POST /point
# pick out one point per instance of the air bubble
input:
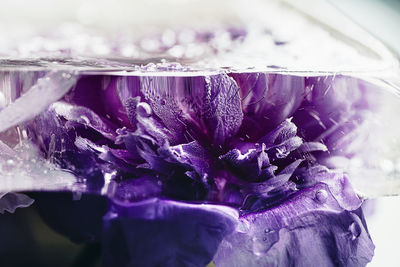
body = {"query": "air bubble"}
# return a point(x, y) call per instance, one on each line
point(321, 196)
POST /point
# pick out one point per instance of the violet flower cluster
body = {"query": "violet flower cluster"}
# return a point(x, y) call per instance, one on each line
point(228, 167)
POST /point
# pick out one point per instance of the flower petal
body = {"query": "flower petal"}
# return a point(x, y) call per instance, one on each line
point(176, 233)
point(204, 107)
point(11, 201)
point(310, 229)
point(267, 100)
point(334, 110)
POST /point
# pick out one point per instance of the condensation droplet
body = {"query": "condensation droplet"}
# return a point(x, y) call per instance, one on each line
point(355, 230)
point(267, 231)
point(321, 196)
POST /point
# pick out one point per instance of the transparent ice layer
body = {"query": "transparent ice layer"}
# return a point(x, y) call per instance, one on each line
point(359, 124)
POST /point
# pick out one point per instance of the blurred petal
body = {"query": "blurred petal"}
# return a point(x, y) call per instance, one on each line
point(158, 232)
point(11, 201)
point(334, 110)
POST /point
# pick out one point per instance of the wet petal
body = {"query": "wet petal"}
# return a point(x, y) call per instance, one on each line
point(309, 229)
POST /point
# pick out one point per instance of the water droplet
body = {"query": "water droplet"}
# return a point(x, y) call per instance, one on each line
point(355, 230)
point(321, 196)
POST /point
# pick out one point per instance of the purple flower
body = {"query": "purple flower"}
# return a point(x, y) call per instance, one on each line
point(230, 167)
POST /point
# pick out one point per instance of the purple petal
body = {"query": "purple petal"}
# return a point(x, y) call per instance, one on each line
point(11, 201)
point(310, 229)
point(206, 108)
point(136, 189)
point(193, 155)
point(176, 233)
point(254, 165)
point(284, 131)
point(84, 117)
point(106, 103)
point(334, 110)
point(267, 100)
point(337, 182)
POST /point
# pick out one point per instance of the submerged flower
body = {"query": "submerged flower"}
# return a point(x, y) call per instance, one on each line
point(230, 167)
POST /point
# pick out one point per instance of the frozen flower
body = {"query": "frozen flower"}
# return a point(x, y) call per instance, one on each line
point(180, 170)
